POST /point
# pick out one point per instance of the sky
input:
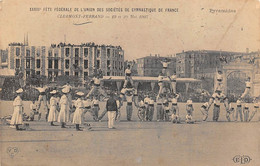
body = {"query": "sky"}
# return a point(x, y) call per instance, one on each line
point(193, 27)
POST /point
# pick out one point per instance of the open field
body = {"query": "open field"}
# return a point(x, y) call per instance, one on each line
point(132, 143)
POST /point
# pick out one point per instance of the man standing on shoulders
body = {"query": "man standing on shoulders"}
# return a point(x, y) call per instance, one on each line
point(111, 107)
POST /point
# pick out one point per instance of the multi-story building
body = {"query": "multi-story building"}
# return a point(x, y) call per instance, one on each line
point(201, 64)
point(152, 65)
point(3, 59)
point(66, 59)
point(204, 64)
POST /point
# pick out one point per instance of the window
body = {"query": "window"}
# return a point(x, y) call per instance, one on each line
point(50, 64)
point(85, 52)
point(98, 53)
point(108, 64)
point(98, 64)
point(17, 51)
point(50, 74)
point(27, 63)
point(76, 74)
point(38, 63)
point(67, 63)
point(108, 73)
point(27, 52)
point(85, 75)
point(27, 74)
point(38, 73)
point(56, 73)
point(85, 64)
point(108, 53)
point(56, 64)
point(50, 53)
point(55, 54)
point(38, 53)
point(77, 63)
point(17, 63)
point(76, 52)
point(67, 51)
point(67, 73)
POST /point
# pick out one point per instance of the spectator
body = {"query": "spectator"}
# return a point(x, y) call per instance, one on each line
point(111, 108)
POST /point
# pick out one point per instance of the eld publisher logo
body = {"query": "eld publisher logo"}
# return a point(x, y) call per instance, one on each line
point(244, 159)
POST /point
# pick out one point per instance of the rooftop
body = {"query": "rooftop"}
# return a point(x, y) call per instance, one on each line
point(211, 51)
point(89, 44)
point(157, 57)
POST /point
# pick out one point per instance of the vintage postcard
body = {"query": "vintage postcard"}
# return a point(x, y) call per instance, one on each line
point(129, 82)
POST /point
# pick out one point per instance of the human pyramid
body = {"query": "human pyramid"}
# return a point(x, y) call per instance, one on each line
point(65, 110)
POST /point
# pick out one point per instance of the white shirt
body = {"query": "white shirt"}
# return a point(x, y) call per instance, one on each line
point(165, 101)
point(174, 100)
point(87, 103)
point(64, 100)
point(219, 76)
point(95, 102)
point(239, 102)
point(141, 103)
point(248, 84)
point(128, 71)
point(118, 103)
point(165, 64)
point(129, 99)
point(53, 101)
point(159, 100)
point(146, 100)
point(79, 103)
point(123, 91)
point(96, 81)
point(160, 78)
point(217, 101)
point(189, 102)
point(206, 104)
point(174, 77)
point(151, 101)
point(42, 89)
point(18, 101)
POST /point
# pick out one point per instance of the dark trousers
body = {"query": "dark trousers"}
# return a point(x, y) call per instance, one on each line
point(129, 110)
point(239, 111)
point(216, 111)
point(159, 109)
point(151, 112)
point(95, 112)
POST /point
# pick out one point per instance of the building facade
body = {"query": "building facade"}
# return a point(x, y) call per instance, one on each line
point(236, 68)
point(152, 66)
point(3, 59)
point(202, 63)
point(66, 59)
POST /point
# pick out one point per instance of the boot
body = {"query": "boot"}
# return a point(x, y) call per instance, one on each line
point(77, 127)
point(46, 117)
point(52, 124)
point(39, 116)
point(16, 127)
point(63, 125)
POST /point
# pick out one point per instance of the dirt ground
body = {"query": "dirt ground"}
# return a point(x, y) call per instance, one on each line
point(131, 143)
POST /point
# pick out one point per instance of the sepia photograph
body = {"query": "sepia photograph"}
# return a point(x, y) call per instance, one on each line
point(133, 82)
